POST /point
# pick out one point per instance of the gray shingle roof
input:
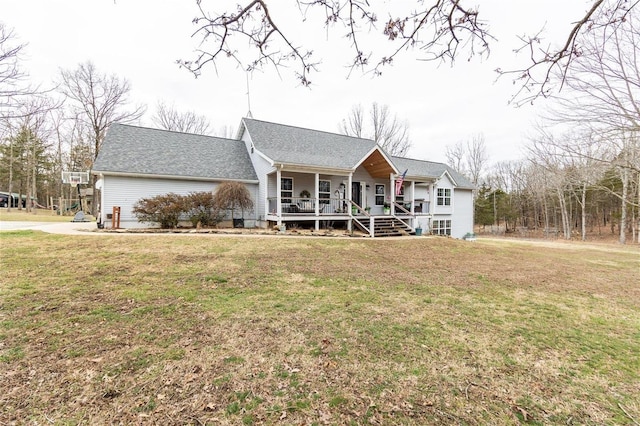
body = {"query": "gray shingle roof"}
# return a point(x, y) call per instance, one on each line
point(140, 150)
point(295, 145)
point(430, 169)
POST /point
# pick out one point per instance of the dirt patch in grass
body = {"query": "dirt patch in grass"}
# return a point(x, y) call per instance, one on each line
point(228, 330)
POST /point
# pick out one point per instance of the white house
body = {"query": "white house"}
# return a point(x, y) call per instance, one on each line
point(295, 175)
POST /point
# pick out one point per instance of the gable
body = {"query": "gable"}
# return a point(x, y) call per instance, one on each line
point(377, 164)
point(431, 170)
point(133, 150)
point(305, 147)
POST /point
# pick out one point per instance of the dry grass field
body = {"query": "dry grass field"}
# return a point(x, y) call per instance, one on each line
point(204, 330)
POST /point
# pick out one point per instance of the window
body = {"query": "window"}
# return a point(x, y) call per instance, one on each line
point(324, 191)
point(379, 195)
point(441, 227)
point(286, 189)
point(444, 197)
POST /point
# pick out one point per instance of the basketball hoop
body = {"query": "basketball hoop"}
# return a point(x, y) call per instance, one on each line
point(75, 178)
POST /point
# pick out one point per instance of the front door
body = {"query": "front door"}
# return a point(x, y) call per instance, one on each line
point(356, 194)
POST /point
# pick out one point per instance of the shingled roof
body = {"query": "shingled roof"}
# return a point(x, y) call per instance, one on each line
point(295, 145)
point(134, 150)
point(430, 169)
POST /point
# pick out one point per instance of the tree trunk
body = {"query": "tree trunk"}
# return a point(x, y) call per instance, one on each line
point(623, 206)
point(566, 224)
point(583, 205)
point(10, 200)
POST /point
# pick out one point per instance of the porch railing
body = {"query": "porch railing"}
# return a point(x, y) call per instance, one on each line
point(401, 209)
point(307, 206)
point(421, 208)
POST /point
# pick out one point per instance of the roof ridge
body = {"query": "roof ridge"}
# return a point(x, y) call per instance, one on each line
point(308, 129)
point(418, 159)
point(172, 131)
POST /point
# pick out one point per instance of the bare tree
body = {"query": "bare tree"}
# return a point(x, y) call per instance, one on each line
point(231, 196)
point(168, 118)
point(11, 76)
point(386, 130)
point(569, 172)
point(226, 131)
point(98, 100)
point(603, 97)
point(477, 157)
point(354, 124)
point(255, 36)
point(469, 158)
point(455, 156)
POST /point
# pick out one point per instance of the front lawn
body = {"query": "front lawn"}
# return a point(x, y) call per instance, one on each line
point(210, 329)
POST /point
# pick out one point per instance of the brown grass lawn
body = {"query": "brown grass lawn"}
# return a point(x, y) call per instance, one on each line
point(266, 330)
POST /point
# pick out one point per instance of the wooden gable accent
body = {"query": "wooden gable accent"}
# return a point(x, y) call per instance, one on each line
point(377, 165)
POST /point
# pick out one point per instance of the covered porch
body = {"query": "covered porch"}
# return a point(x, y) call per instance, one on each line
point(364, 198)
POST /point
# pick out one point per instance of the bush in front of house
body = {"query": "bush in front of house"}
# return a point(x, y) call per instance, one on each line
point(164, 209)
point(232, 196)
point(201, 208)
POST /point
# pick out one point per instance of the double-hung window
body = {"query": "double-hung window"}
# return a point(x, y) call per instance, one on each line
point(443, 197)
point(379, 194)
point(441, 227)
point(324, 191)
point(286, 189)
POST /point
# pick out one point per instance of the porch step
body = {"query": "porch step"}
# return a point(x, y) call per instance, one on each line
point(390, 226)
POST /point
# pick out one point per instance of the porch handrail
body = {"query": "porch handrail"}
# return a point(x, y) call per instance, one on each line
point(361, 211)
point(397, 206)
point(368, 229)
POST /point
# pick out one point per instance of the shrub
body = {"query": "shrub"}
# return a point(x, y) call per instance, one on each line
point(162, 209)
point(233, 195)
point(200, 207)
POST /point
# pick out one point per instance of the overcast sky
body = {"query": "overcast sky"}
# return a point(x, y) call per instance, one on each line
point(141, 40)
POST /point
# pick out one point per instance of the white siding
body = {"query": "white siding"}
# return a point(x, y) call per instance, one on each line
point(447, 210)
point(460, 212)
point(262, 168)
point(124, 192)
point(462, 218)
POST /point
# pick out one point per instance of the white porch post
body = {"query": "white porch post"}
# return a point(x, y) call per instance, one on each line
point(414, 221)
point(317, 202)
point(348, 201)
point(392, 199)
point(432, 198)
point(413, 198)
point(279, 195)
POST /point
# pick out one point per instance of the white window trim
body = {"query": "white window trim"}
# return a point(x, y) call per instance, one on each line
point(444, 197)
point(282, 196)
point(441, 227)
point(376, 195)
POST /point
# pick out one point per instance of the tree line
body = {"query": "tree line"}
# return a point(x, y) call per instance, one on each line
point(582, 171)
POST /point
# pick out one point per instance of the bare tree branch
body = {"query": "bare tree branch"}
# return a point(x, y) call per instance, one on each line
point(168, 118)
point(536, 79)
point(98, 100)
point(386, 130)
point(15, 92)
point(434, 29)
